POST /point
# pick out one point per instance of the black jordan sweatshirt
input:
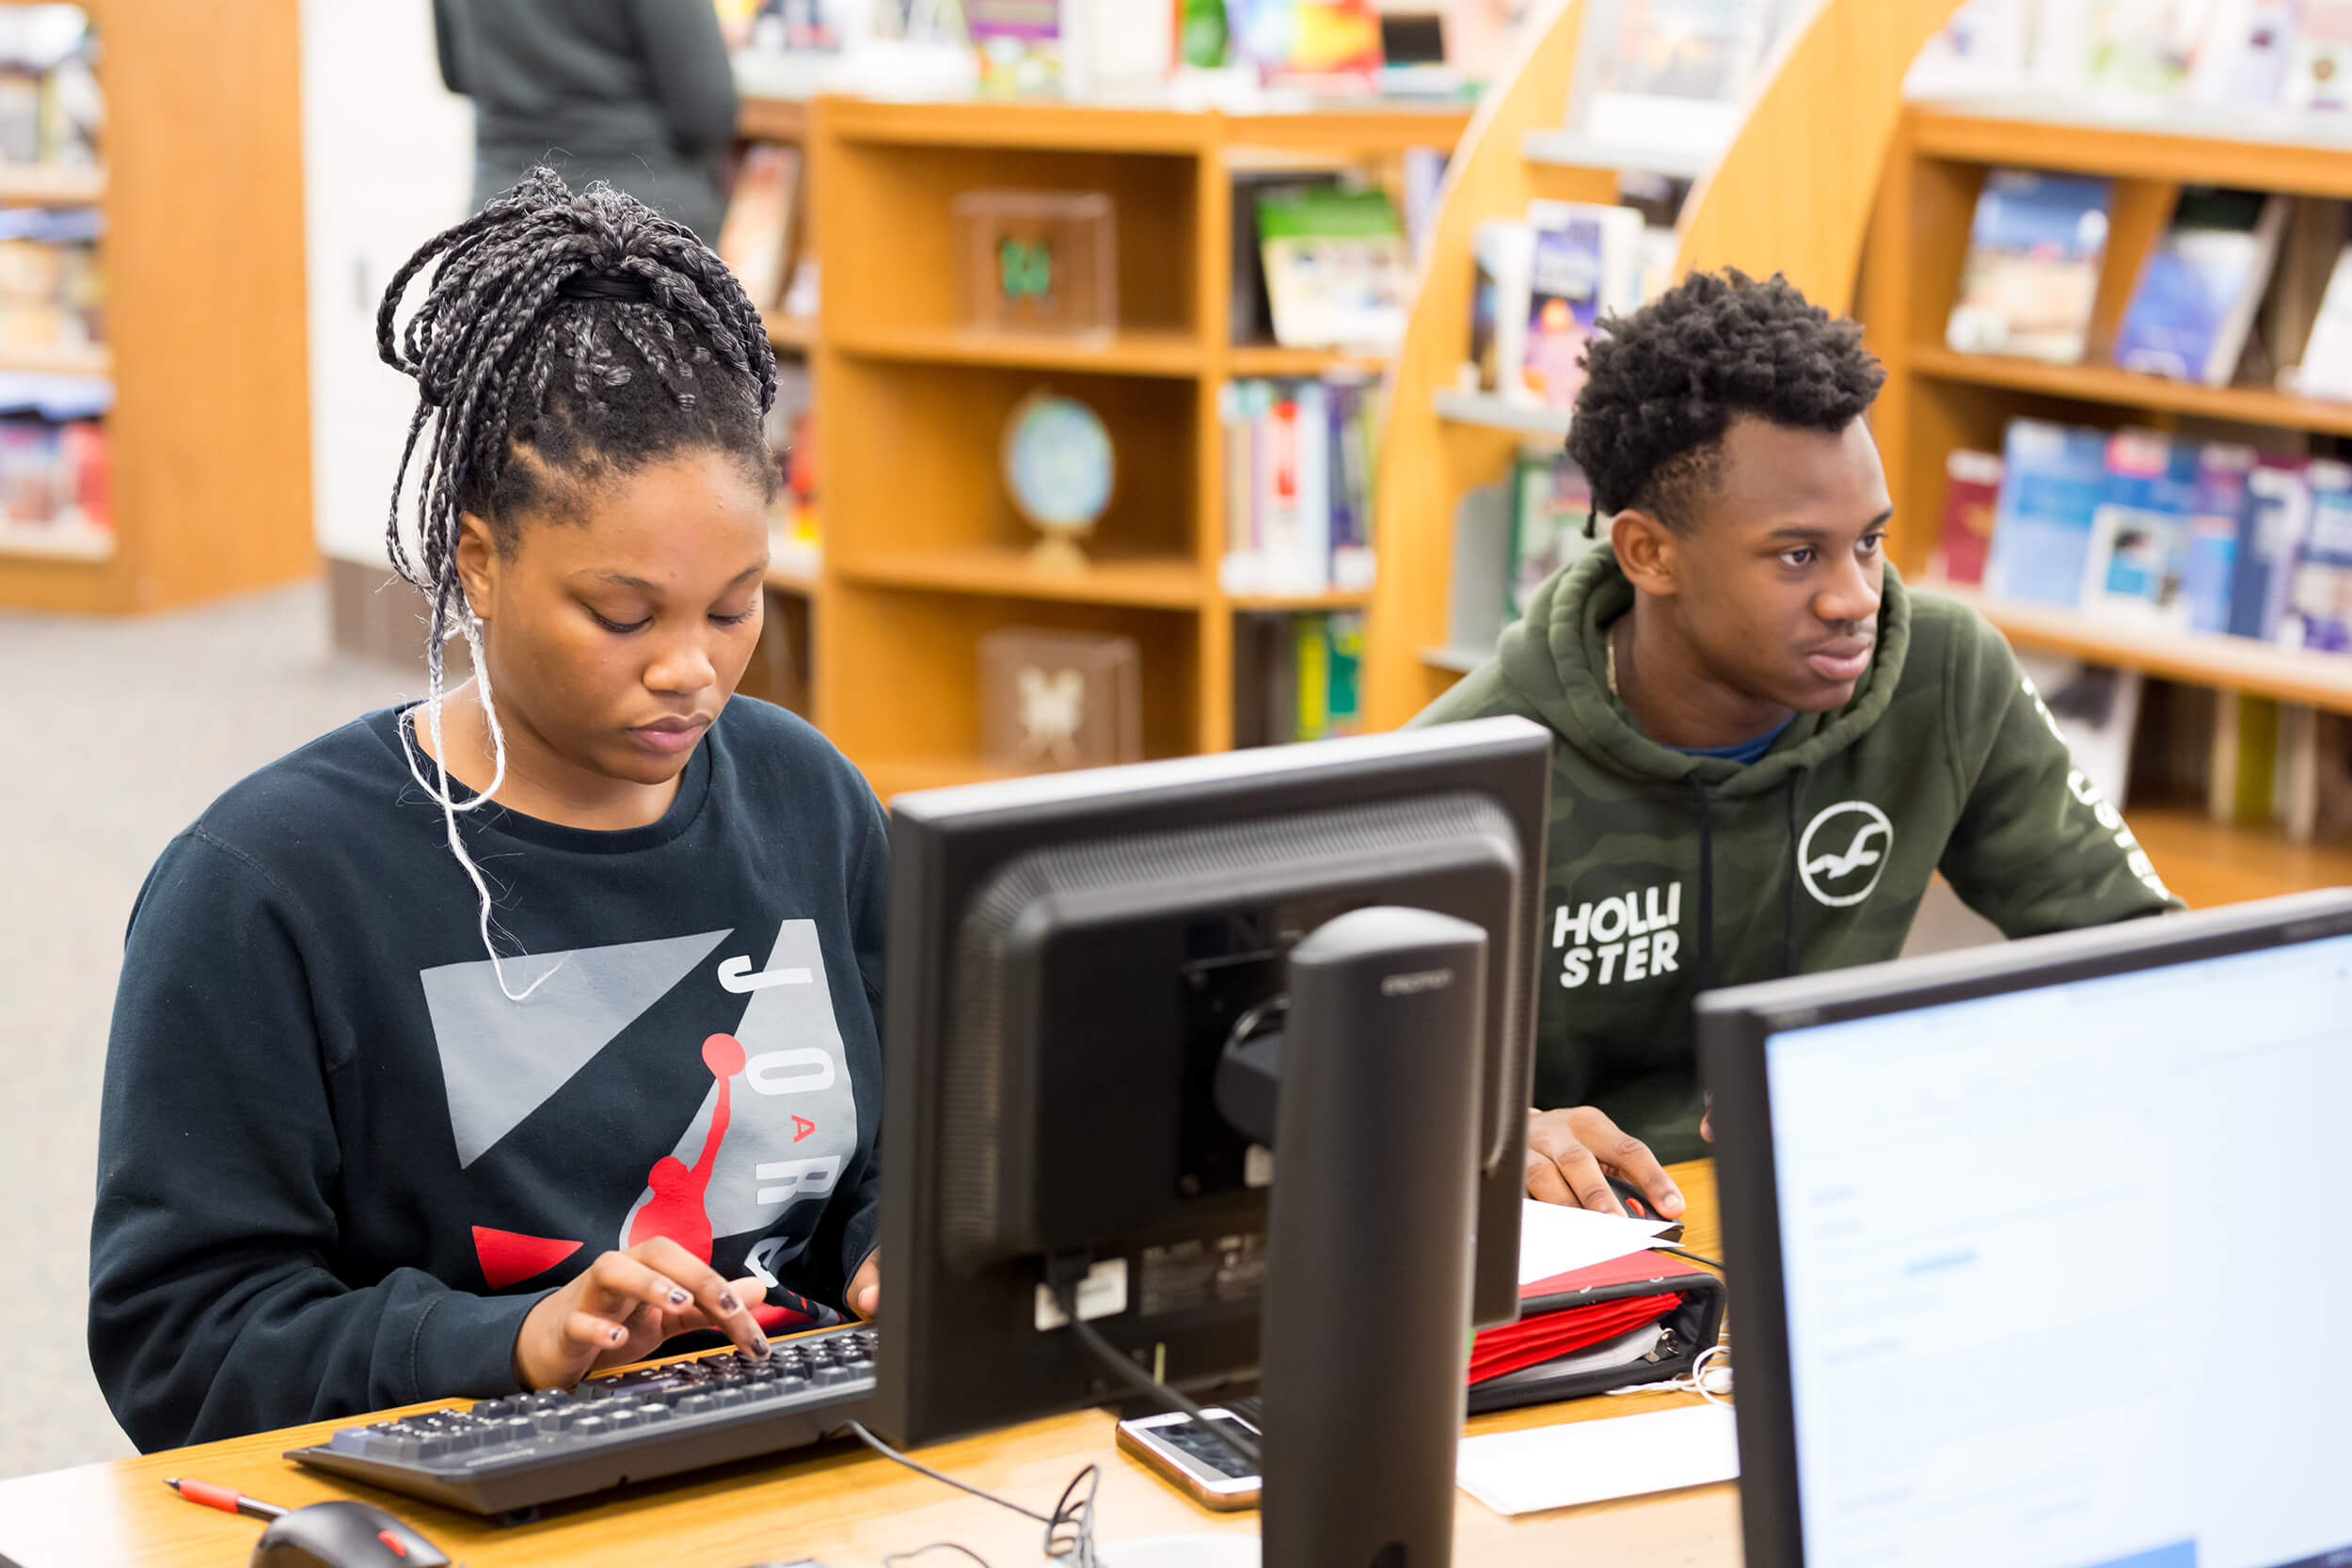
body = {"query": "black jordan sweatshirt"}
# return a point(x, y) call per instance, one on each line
point(337, 1166)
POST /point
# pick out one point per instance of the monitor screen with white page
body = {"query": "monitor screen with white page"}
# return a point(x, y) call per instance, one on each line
point(2042, 1251)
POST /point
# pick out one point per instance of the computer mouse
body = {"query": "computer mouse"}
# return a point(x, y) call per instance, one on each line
point(343, 1534)
point(1638, 1205)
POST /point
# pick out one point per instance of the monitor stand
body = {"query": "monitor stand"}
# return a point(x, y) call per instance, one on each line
point(1364, 1333)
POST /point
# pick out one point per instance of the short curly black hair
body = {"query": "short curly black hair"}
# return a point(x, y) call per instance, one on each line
point(1663, 384)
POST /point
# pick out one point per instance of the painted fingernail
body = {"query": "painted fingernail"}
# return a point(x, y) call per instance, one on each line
point(727, 1302)
point(759, 1345)
point(678, 1297)
point(617, 1336)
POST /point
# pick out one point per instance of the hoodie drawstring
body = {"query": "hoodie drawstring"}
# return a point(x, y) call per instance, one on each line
point(1706, 885)
point(1788, 914)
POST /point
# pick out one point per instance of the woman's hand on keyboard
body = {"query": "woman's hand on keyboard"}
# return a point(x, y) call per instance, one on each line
point(622, 1307)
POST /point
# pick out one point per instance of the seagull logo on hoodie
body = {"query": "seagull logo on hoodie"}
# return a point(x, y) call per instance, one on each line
point(1840, 844)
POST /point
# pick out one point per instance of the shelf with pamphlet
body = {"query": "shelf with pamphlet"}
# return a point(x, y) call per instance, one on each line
point(52, 184)
point(1493, 411)
point(1009, 571)
point(2217, 660)
point(2194, 144)
point(1576, 149)
point(1273, 360)
point(1123, 352)
point(2121, 388)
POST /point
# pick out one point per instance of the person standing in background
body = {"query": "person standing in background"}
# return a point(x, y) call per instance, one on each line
point(637, 92)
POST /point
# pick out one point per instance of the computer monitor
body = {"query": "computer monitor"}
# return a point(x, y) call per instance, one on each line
point(2041, 1249)
point(1072, 957)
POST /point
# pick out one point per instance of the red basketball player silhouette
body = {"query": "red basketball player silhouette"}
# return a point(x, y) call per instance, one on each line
point(675, 1209)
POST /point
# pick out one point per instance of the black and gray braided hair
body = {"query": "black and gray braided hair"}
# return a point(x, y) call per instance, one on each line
point(569, 338)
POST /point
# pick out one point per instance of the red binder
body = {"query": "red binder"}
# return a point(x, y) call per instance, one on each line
point(1584, 1308)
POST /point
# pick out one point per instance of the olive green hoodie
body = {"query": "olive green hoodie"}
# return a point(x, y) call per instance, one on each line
point(1670, 874)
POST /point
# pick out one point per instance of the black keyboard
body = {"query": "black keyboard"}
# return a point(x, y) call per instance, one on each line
point(509, 1455)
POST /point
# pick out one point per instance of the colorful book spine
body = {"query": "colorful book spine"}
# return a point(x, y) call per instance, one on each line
point(2139, 534)
point(1972, 495)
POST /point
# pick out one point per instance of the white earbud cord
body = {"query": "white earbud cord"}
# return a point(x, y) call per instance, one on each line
point(470, 629)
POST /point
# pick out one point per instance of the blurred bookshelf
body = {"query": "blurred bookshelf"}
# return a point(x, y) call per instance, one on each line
point(193, 478)
point(1940, 400)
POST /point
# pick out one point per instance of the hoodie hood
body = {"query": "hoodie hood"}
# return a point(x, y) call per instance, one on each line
point(1555, 660)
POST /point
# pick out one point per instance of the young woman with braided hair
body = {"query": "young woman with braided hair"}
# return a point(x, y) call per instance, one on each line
point(500, 1036)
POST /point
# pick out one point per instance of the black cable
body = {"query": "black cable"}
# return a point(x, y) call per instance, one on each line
point(897, 1558)
point(1069, 1530)
point(1160, 1393)
point(1686, 1252)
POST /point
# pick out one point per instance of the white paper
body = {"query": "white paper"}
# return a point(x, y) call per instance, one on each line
point(1591, 1461)
point(1554, 1239)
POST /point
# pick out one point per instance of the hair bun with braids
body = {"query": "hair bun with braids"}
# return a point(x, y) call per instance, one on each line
point(569, 338)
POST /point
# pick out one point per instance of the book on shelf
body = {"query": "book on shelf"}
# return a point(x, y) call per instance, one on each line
point(1251, 314)
point(1503, 257)
point(53, 295)
point(1298, 677)
point(2319, 589)
point(1984, 50)
point(2140, 531)
point(2144, 48)
point(2052, 481)
point(2031, 274)
point(2326, 367)
point(1972, 492)
point(54, 477)
point(1020, 44)
point(2096, 710)
point(2270, 535)
point(2319, 62)
point(2216, 510)
point(1585, 264)
point(1336, 272)
point(2195, 303)
point(1328, 44)
point(1297, 484)
point(50, 109)
point(756, 239)
point(2246, 55)
point(1552, 503)
point(1676, 72)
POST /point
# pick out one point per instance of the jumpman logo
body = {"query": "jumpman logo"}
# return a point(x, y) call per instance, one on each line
point(676, 1209)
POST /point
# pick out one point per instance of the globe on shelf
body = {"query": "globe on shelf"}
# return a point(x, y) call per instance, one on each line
point(1058, 468)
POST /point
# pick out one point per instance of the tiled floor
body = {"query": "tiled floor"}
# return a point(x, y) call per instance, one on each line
point(116, 733)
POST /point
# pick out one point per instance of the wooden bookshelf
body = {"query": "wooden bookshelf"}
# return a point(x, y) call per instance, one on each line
point(1793, 193)
point(924, 556)
point(1938, 399)
point(209, 447)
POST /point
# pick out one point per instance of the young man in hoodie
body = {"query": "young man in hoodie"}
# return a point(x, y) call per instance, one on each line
point(1765, 744)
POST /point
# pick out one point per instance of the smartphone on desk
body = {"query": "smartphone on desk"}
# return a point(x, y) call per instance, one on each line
point(1203, 1468)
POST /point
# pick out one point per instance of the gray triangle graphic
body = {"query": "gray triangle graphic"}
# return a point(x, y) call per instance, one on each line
point(501, 1059)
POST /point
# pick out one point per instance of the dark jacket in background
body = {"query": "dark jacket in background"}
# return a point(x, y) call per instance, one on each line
point(634, 92)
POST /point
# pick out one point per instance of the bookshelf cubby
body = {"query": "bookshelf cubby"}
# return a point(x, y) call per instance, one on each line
point(924, 554)
point(209, 447)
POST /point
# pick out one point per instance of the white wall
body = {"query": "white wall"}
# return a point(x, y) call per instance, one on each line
point(387, 162)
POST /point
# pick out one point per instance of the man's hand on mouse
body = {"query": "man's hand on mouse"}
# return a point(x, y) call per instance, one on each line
point(622, 1307)
point(1572, 1153)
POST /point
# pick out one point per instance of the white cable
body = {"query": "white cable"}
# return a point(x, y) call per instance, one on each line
point(469, 627)
point(1705, 1381)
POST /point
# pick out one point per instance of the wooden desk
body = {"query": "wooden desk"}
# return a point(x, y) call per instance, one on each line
point(842, 1505)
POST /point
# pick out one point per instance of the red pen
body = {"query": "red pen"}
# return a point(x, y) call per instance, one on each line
point(227, 1498)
